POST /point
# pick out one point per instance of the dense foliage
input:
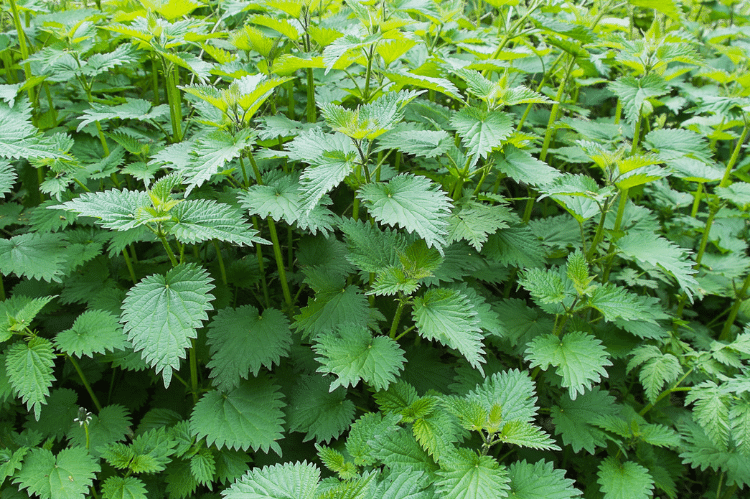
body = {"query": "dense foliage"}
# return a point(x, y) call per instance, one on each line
point(397, 249)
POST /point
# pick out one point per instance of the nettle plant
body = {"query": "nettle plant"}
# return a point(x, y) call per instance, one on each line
point(383, 249)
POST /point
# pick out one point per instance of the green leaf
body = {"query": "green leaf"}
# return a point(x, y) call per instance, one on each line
point(711, 411)
point(539, 481)
point(739, 419)
point(466, 475)
point(116, 487)
point(400, 451)
point(335, 461)
point(333, 307)
point(369, 427)
point(412, 202)
point(7, 177)
point(524, 168)
point(161, 315)
point(634, 92)
point(280, 200)
point(325, 174)
point(512, 390)
point(738, 194)
point(473, 222)
point(615, 302)
point(29, 366)
point(94, 331)
point(117, 210)
point(481, 131)
point(411, 139)
point(132, 109)
point(10, 462)
point(210, 153)
point(658, 369)
point(34, 255)
point(546, 286)
point(515, 246)
point(403, 78)
point(281, 481)
point(448, 316)
point(242, 340)
point(626, 480)
point(676, 143)
point(573, 419)
point(19, 312)
point(579, 358)
point(353, 354)
point(370, 248)
point(65, 476)
point(701, 452)
point(203, 466)
point(648, 250)
point(371, 120)
point(20, 139)
point(248, 416)
point(198, 220)
point(149, 452)
point(322, 413)
point(526, 435)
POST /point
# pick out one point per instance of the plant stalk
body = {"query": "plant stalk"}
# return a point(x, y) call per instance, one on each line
point(85, 383)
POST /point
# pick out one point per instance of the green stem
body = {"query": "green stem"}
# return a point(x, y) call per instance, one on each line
point(172, 77)
point(599, 233)
point(24, 48)
point(618, 223)
point(549, 133)
point(2, 289)
point(155, 81)
point(279, 262)
point(368, 74)
point(129, 264)
point(85, 383)
point(696, 200)
point(165, 243)
point(724, 336)
point(397, 316)
point(510, 34)
point(636, 135)
point(311, 111)
point(261, 266)
point(222, 269)
point(193, 371)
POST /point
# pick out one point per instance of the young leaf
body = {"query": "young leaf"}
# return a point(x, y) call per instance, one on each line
point(199, 220)
point(579, 358)
point(467, 475)
point(94, 331)
point(281, 481)
point(711, 411)
point(412, 202)
point(481, 132)
point(448, 316)
point(249, 416)
point(29, 366)
point(626, 480)
point(410, 139)
point(634, 92)
point(658, 369)
point(353, 354)
point(65, 476)
point(241, 341)
point(540, 481)
point(161, 314)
